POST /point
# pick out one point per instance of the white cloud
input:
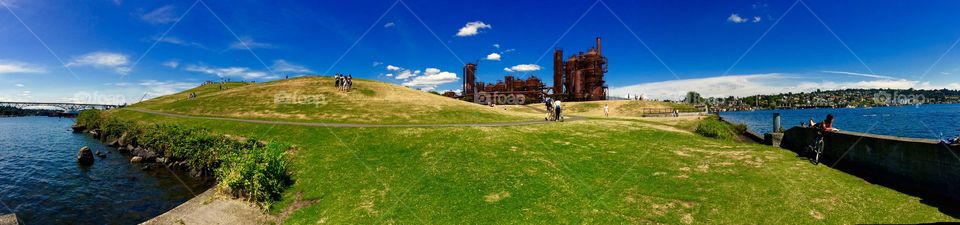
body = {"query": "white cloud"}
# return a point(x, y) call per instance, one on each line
point(496, 46)
point(160, 15)
point(104, 60)
point(493, 57)
point(473, 28)
point(284, 66)
point(7, 3)
point(18, 85)
point(393, 68)
point(171, 64)
point(242, 72)
point(734, 18)
point(522, 68)
point(861, 74)
point(404, 74)
point(178, 41)
point(756, 19)
point(754, 84)
point(249, 43)
point(431, 78)
point(389, 25)
point(376, 63)
point(19, 67)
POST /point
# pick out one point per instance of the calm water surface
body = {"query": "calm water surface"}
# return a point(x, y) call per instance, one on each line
point(42, 183)
point(924, 121)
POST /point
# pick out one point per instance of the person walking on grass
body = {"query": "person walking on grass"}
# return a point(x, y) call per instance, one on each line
point(556, 110)
point(606, 110)
point(549, 103)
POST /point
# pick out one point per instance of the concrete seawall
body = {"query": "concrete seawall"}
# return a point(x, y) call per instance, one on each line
point(922, 166)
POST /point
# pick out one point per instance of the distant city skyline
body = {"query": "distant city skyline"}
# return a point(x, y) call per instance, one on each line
point(114, 51)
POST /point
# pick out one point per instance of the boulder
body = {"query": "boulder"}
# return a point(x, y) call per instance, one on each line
point(113, 143)
point(85, 156)
point(126, 149)
point(95, 133)
point(78, 128)
point(101, 154)
point(147, 154)
point(161, 160)
point(125, 139)
point(136, 159)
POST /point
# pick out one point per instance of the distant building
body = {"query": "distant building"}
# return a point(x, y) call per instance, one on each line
point(579, 78)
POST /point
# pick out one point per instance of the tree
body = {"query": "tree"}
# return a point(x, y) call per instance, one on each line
point(693, 98)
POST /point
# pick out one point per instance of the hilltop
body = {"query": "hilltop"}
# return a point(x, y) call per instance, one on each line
point(315, 99)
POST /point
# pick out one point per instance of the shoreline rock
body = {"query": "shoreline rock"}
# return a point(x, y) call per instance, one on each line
point(85, 156)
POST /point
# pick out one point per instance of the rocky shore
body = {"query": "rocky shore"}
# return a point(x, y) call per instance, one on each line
point(126, 144)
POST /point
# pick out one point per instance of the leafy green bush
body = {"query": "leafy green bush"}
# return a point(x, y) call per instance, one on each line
point(247, 167)
point(713, 127)
point(258, 173)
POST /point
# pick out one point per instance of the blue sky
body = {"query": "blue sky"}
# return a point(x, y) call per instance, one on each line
point(117, 51)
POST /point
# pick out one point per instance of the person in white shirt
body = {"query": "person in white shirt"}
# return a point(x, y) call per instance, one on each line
point(606, 110)
point(556, 110)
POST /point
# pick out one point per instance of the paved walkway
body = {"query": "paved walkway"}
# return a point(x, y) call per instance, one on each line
point(318, 124)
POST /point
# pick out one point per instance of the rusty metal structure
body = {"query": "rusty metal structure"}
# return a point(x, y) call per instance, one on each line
point(579, 78)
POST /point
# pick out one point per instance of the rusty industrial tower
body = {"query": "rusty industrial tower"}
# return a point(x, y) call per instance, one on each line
point(578, 78)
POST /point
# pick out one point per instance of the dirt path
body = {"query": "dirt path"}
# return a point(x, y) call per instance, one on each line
point(318, 124)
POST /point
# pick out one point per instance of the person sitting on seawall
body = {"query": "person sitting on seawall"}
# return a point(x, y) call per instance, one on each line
point(952, 141)
point(827, 124)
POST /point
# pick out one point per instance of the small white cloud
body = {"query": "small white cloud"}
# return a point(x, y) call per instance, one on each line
point(242, 72)
point(404, 74)
point(393, 68)
point(19, 67)
point(496, 46)
point(472, 28)
point(104, 60)
point(389, 25)
point(160, 15)
point(493, 57)
point(18, 85)
point(431, 78)
point(509, 50)
point(861, 74)
point(522, 68)
point(171, 64)
point(389, 74)
point(734, 18)
point(284, 66)
point(756, 19)
point(249, 43)
point(178, 41)
point(376, 63)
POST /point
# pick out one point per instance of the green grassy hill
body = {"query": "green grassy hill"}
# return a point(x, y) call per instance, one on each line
point(594, 171)
point(315, 99)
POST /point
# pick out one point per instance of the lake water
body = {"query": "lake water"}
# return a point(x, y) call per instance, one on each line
point(924, 121)
point(42, 183)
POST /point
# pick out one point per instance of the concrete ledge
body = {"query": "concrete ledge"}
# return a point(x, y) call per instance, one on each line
point(923, 166)
point(9, 219)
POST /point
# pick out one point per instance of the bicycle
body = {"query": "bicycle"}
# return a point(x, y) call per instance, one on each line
point(816, 148)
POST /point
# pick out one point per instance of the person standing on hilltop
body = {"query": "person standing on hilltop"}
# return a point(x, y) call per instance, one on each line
point(349, 82)
point(336, 80)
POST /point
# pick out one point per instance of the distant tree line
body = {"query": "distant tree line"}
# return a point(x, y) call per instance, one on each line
point(14, 111)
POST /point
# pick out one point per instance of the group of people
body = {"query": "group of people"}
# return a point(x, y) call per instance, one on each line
point(553, 110)
point(343, 83)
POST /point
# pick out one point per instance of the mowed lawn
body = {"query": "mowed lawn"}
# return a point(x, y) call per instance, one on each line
point(592, 171)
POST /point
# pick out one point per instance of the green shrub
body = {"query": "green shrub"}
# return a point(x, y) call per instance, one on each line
point(258, 173)
point(713, 127)
point(247, 167)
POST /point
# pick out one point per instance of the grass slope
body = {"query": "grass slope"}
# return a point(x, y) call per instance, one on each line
point(620, 108)
point(314, 99)
point(593, 171)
